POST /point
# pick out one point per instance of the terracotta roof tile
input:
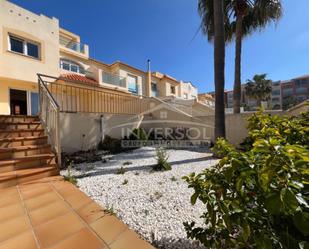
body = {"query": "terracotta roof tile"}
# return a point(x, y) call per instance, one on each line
point(78, 78)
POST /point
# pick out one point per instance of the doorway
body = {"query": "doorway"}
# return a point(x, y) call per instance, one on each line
point(18, 102)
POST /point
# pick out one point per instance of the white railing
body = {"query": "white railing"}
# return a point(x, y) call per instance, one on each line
point(50, 117)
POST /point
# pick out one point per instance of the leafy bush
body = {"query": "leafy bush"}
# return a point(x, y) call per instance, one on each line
point(121, 171)
point(113, 145)
point(138, 134)
point(162, 157)
point(257, 198)
point(70, 177)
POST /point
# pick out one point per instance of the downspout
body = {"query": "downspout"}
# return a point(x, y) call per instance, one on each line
point(148, 81)
point(102, 126)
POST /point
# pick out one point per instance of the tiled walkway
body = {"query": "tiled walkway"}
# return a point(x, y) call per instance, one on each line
point(54, 214)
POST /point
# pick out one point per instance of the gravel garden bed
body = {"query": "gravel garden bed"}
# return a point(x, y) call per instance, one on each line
point(154, 204)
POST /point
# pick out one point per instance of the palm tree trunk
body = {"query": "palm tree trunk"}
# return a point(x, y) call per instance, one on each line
point(219, 59)
point(237, 81)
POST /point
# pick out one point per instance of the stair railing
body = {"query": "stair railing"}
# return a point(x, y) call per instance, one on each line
point(49, 113)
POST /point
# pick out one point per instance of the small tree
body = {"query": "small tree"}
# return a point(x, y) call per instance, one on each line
point(162, 157)
point(259, 88)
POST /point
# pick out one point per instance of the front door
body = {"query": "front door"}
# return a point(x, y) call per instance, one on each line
point(18, 102)
point(34, 103)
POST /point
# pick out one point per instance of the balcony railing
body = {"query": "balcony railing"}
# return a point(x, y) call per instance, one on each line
point(113, 79)
point(72, 97)
point(75, 46)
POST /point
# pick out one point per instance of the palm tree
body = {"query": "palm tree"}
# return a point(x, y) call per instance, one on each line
point(259, 88)
point(241, 18)
point(212, 16)
point(248, 15)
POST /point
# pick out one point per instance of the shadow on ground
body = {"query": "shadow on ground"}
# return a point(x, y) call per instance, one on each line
point(166, 243)
point(110, 168)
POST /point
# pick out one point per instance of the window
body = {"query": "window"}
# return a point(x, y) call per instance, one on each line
point(33, 50)
point(300, 90)
point(173, 91)
point(17, 45)
point(154, 91)
point(24, 47)
point(287, 92)
point(276, 92)
point(132, 84)
point(185, 96)
point(71, 66)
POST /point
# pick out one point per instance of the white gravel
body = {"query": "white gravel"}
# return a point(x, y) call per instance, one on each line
point(154, 204)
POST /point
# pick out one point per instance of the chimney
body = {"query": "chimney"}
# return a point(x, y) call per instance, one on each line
point(148, 81)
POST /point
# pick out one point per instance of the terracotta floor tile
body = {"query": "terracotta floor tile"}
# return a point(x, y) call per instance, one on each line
point(58, 229)
point(7, 200)
point(11, 211)
point(25, 239)
point(48, 212)
point(67, 190)
point(91, 212)
point(8, 192)
point(13, 227)
point(41, 200)
point(130, 239)
point(29, 191)
point(78, 200)
point(84, 239)
point(60, 184)
point(108, 228)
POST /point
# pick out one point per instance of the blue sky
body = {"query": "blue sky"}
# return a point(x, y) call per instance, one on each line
point(164, 31)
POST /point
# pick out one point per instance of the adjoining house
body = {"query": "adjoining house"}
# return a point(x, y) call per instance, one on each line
point(285, 94)
point(206, 99)
point(88, 94)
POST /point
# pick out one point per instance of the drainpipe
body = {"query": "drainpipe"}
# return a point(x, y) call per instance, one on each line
point(148, 81)
point(102, 127)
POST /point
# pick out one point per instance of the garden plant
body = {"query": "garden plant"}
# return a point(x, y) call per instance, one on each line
point(258, 197)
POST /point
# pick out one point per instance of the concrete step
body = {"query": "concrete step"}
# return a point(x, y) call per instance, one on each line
point(21, 133)
point(35, 125)
point(22, 141)
point(21, 151)
point(16, 177)
point(27, 162)
point(18, 118)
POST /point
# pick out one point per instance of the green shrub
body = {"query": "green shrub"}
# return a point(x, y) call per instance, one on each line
point(138, 134)
point(110, 144)
point(70, 177)
point(121, 171)
point(257, 198)
point(125, 182)
point(162, 157)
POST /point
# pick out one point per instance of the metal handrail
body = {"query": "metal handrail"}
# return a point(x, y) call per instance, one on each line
point(46, 99)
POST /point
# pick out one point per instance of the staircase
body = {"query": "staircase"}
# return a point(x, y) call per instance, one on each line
point(25, 154)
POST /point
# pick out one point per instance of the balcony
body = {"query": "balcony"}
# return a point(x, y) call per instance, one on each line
point(72, 45)
point(113, 79)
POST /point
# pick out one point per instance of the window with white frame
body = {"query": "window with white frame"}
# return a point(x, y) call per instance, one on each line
point(24, 46)
point(71, 66)
point(132, 84)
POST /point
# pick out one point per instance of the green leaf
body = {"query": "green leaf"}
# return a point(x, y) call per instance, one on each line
point(301, 221)
point(194, 198)
point(246, 230)
point(273, 203)
point(304, 245)
point(288, 199)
